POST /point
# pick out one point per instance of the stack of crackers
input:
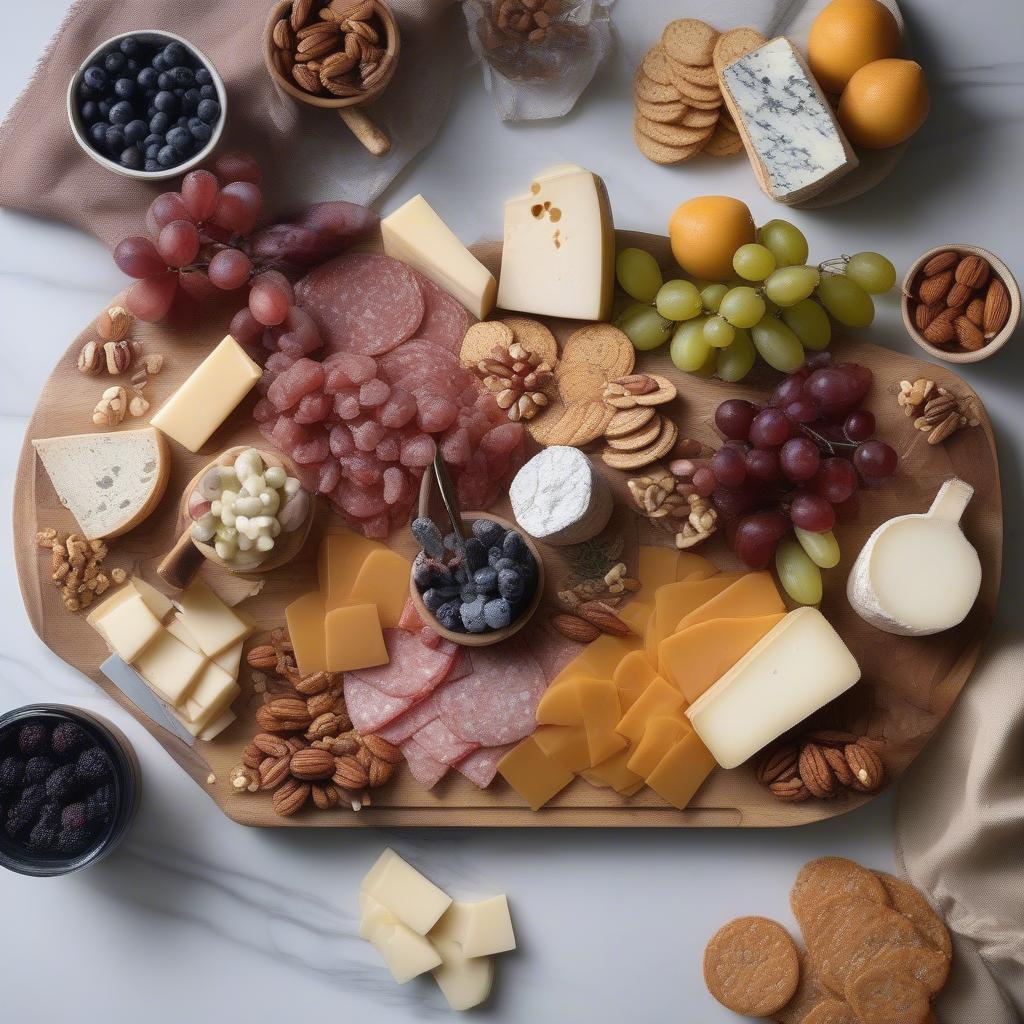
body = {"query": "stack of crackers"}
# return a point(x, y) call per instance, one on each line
point(679, 105)
point(875, 953)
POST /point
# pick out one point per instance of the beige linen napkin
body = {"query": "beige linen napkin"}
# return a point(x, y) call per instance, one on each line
point(960, 837)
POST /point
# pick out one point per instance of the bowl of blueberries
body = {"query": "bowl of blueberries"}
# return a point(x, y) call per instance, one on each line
point(147, 104)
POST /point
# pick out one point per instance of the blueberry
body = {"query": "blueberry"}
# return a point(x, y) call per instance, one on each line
point(472, 615)
point(159, 123)
point(436, 597)
point(132, 158)
point(515, 547)
point(95, 77)
point(208, 111)
point(200, 130)
point(131, 66)
point(486, 580)
point(152, 149)
point(122, 112)
point(166, 102)
point(174, 53)
point(90, 112)
point(154, 139)
point(476, 554)
point(105, 106)
point(165, 81)
point(190, 99)
point(425, 530)
point(158, 63)
point(168, 157)
point(151, 165)
point(182, 76)
point(86, 92)
point(135, 131)
point(467, 592)
point(203, 76)
point(449, 617)
point(182, 121)
point(498, 613)
point(130, 46)
point(98, 133)
point(124, 89)
point(147, 78)
point(506, 563)
point(488, 532)
point(114, 140)
point(494, 556)
point(511, 585)
point(208, 92)
point(180, 139)
point(114, 62)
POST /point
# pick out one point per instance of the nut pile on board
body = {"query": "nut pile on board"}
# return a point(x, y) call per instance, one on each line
point(588, 620)
point(75, 567)
point(637, 434)
point(936, 411)
point(341, 51)
point(674, 506)
point(822, 764)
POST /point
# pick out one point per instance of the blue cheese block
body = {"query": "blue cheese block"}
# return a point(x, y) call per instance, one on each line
point(794, 142)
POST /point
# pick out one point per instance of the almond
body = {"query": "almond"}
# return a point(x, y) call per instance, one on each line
point(924, 314)
point(940, 262)
point(997, 308)
point(959, 295)
point(940, 330)
point(300, 13)
point(933, 289)
point(572, 627)
point(604, 617)
point(975, 311)
point(969, 335)
point(312, 765)
point(972, 271)
point(305, 78)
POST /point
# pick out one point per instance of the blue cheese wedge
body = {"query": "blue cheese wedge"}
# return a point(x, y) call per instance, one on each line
point(792, 137)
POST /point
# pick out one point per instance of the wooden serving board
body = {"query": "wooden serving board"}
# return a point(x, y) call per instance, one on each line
point(908, 685)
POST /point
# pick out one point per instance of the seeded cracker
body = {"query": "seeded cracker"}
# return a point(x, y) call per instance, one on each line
point(809, 993)
point(828, 877)
point(751, 966)
point(882, 995)
point(655, 66)
point(645, 89)
point(913, 906)
point(481, 339)
point(671, 135)
point(735, 43)
point(691, 92)
point(704, 76)
point(724, 142)
point(626, 421)
point(662, 154)
point(663, 113)
point(689, 41)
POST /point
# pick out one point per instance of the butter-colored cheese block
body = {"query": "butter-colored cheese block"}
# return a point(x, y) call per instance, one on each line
point(698, 656)
point(660, 736)
point(796, 668)
point(488, 928)
point(558, 257)
point(452, 923)
point(406, 954)
point(682, 771)
point(376, 870)
point(383, 580)
point(307, 631)
point(566, 745)
point(353, 638)
point(416, 235)
point(209, 395)
point(614, 773)
point(675, 600)
point(159, 604)
point(658, 699)
point(413, 899)
point(636, 615)
point(128, 626)
point(634, 674)
point(752, 594)
point(464, 981)
point(214, 690)
point(599, 702)
point(341, 555)
point(214, 625)
point(532, 774)
point(170, 668)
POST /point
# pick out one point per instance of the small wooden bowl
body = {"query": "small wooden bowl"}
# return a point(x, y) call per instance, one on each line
point(999, 268)
point(374, 138)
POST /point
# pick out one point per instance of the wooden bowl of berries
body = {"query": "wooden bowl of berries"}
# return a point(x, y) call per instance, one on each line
point(338, 57)
point(960, 303)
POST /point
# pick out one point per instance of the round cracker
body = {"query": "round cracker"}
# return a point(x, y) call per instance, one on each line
point(599, 345)
point(913, 906)
point(645, 89)
point(534, 337)
point(639, 438)
point(751, 966)
point(669, 134)
point(655, 66)
point(694, 90)
point(689, 41)
point(724, 142)
point(659, 153)
point(626, 421)
point(809, 993)
point(663, 113)
point(481, 340)
point(696, 104)
point(694, 118)
point(928, 966)
point(597, 416)
point(881, 995)
point(735, 43)
point(548, 428)
point(826, 878)
point(831, 1011)
point(704, 76)
point(645, 456)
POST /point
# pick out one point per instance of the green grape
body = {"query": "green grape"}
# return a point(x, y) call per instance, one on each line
point(799, 576)
point(736, 361)
point(872, 271)
point(678, 300)
point(846, 301)
point(712, 296)
point(753, 262)
point(689, 350)
point(821, 548)
point(742, 306)
point(786, 242)
point(638, 273)
point(644, 328)
point(718, 333)
point(790, 285)
point(707, 368)
point(810, 323)
point(777, 345)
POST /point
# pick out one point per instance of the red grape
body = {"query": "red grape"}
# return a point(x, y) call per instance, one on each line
point(875, 460)
point(763, 464)
point(298, 335)
point(704, 482)
point(282, 282)
point(150, 298)
point(237, 166)
point(178, 244)
point(799, 459)
point(238, 207)
point(729, 467)
point(230, 268)
point(810, 512)
point(733, 418)
point(802, 411)
point(816, 360)
point(835, 481)
point(245, 328)
point(836, 390)
point(199, 193)
point(859, 425)
point(770, 429)
point(166, 207)
point(137, 257)
point(790, 390)
point(268, 301)
point(196, 284)
point(757, 536)
point(184, 311)
point(733, 502)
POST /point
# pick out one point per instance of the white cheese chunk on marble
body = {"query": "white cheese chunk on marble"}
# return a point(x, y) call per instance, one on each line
point(792, 136)
point(465, 981)
point(412, 898)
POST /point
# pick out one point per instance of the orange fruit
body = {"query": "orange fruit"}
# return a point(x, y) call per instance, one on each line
point(884, 103)
point(706, 231)
point(847, 35)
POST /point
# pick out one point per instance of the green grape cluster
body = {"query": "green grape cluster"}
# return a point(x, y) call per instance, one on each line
point(778, 309)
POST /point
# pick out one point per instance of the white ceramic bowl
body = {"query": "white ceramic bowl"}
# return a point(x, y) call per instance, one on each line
point(79, 130)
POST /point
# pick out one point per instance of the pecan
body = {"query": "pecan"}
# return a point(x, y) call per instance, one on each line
point(346, 743)
point(814, 771)
point(325, 795)
point(324, 726)
point(262, 657)
point(381, 749)
point(792, 791)
point(838, 763)
point(349, 773)
point(829, 737)
point(273, 771)
point(252, 756)
point(311, 764)
point(289, 709)
point(315, 682)
point(778, 765)
point(379, 772)
point(271, 746)
point(291, 797)
point(867, 767)
point(268, 722)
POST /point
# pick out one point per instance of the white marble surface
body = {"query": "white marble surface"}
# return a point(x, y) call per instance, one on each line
point(199, 919)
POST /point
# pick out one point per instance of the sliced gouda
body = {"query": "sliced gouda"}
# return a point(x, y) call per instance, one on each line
point(532, 774)
point(634, 674)
point(353, 638)
point(599, 702)
point(383, 580)
point(307, 631)
point(674, 601)
point(214, 690)
point(565, 744)
point(659, 698)
point(752, 594)
point(682, 771)
point(340, 558)
point(660, 736)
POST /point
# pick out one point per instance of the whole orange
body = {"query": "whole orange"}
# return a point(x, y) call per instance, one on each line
point(847, 35)
point(884, 103)
point(706, 231)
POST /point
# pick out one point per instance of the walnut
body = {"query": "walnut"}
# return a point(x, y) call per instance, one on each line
point(518, 380)
point(112, 407)
point(673, 506)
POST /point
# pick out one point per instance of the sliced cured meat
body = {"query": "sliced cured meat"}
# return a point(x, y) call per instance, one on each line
point(427, 771)
point(445, 319)
point(463, 666)
point(423, 368)
point(362, 302)
point(407, 724)
point(481, 766)
point(442, 744)
point(369, 708)
point(410, 619)
point(413, 670)
point(552, 650)
point(497, 702)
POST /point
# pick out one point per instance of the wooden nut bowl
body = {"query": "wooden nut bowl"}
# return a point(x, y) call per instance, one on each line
point(183, 561)
point(999, 268)
point(371, 135)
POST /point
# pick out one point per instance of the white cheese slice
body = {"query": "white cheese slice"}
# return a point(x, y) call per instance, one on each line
point(209, 620)
point(109, 482)
point(488, 928)
point(796, 668)
point(170, 668)
point(128, 626)
point(406, 953)
point(465, 981)
point(416, 235)
point(792, 137)
point(558, 257)
point(159, 604)
point(412, 898)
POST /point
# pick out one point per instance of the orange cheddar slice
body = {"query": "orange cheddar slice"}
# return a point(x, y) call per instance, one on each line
point(674, 601)
point(636, 615)
point(599, 702)
point(682, 771)
point(696, 658)
point(601, 657)
point(655, 568)
point(383, 580)
point(660, 698)
point(354, 639)
point(565, 744)
point(340, 558)
point(634, 674)
point(614, 773)
point(532, 774)
point(560, 703)
point(751, 595)
point(660, 736)
point(693, 567)
point(305, 620)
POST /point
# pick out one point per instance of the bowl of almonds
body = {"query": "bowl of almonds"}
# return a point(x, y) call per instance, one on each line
point(338, 56)
point(960, 303)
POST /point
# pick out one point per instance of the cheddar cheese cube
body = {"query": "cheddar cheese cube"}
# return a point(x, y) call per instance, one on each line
point(382, 580)
point(353, 638)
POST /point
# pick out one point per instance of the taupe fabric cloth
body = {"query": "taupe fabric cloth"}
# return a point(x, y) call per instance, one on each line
point(960, 837)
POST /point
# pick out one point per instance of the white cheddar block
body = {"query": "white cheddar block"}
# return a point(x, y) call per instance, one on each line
point(159, 604)
point(465, 981)
point(558, 257)
point(416, 235)
point(372, 877)
point(372, 917)
point(213, 691)
point(178, 630)
point(488, 928)
point(796, 668)
point(213, 624)
point(217, 726)
point(406, 954)
point(411, 897)
point(170, 668)
point(230, 660)
point(453, 922)
point(107, 605)
point(129, 627)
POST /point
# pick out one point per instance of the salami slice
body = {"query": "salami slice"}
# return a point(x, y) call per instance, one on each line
point(405, 725)
point(368, 707)
point(362, 302)
point(445, 319)
point(497, 702)
point(425, 369)
point(442, 744)
point(413, 670)
point(427, 771)
point(481, 766)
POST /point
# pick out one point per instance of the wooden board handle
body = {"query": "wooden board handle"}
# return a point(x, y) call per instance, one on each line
point(181, 563)
point(367, 131)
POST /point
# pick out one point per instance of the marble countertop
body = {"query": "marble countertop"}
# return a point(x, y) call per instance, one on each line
point(199, 919)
